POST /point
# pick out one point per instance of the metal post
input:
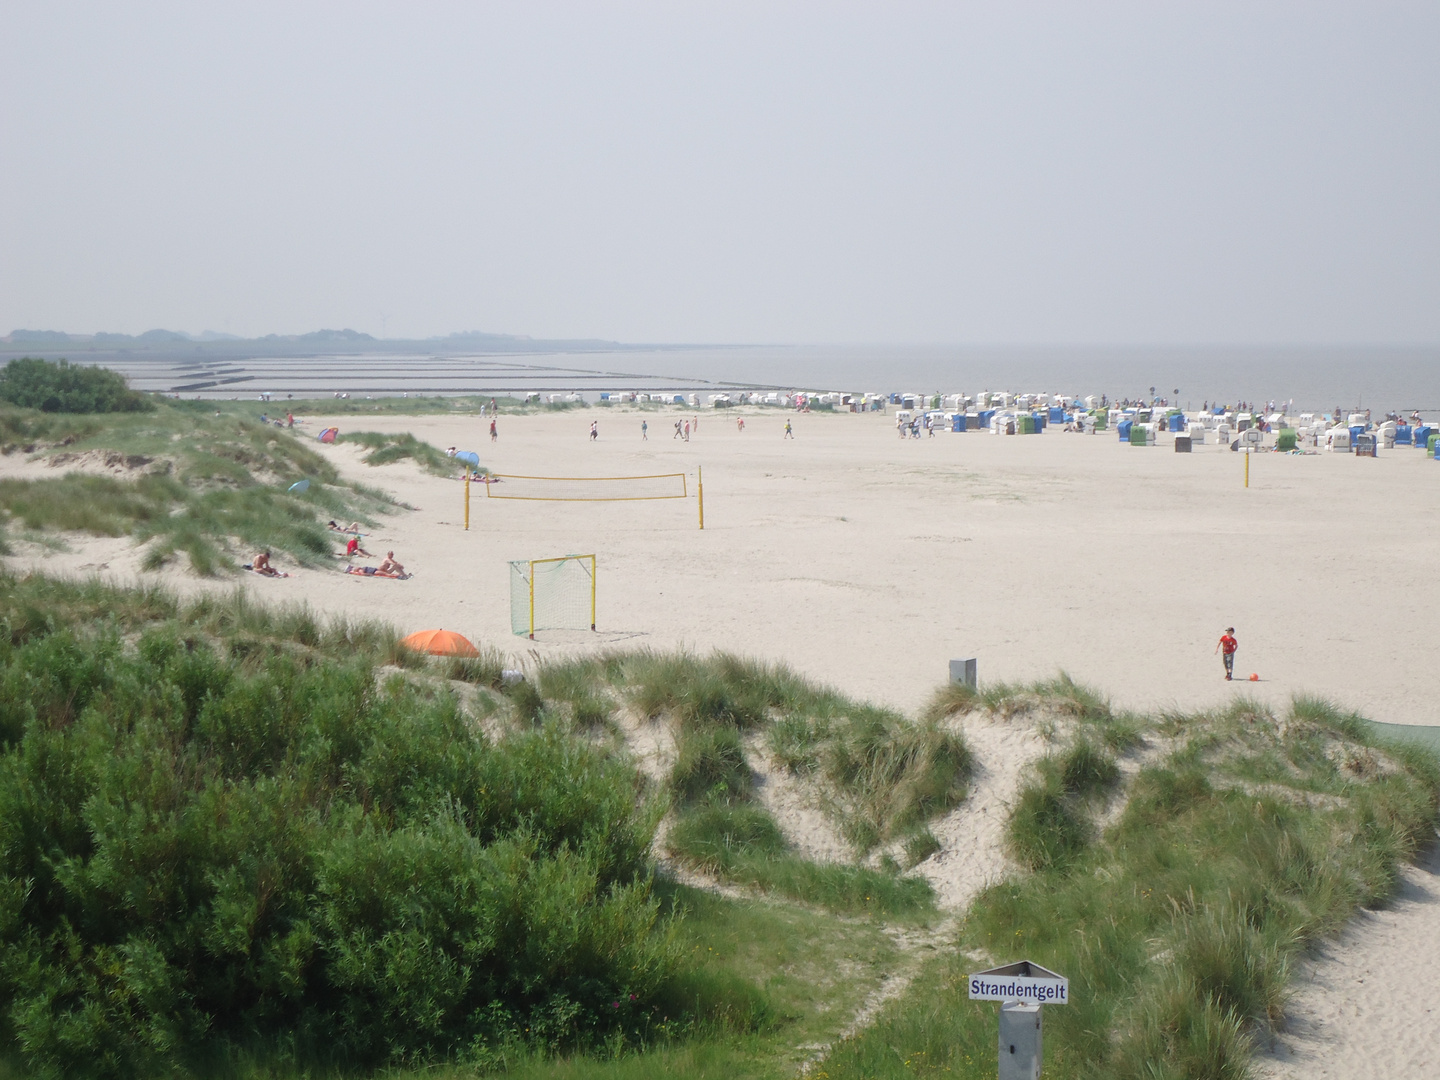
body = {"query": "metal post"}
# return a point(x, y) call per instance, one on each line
point(467, 496)
point(1020, 1040)
point(592, 592)
point(532, 601)
point(700, 491)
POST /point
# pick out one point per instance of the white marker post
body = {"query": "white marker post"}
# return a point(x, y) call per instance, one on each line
point(1022, 988)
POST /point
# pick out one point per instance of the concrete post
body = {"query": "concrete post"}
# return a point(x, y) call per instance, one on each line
point(1020, 1042)
point(963, 671)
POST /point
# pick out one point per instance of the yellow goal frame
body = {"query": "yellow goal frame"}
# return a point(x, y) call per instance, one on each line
point(559, 559)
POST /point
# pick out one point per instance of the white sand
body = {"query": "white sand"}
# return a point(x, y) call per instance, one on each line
point(868, 562)
point(1365, 1008)
point(972, 836)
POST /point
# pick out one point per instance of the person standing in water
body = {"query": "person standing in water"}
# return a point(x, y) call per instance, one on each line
point(1226, 647)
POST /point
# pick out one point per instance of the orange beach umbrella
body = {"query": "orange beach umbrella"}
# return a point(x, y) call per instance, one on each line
point(440, 643)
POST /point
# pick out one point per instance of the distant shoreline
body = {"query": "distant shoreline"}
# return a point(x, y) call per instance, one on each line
point(1382, 378)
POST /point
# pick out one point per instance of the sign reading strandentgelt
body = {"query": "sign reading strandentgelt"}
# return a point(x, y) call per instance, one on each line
point(1020, 981)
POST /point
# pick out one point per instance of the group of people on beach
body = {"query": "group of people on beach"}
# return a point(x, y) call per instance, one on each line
point(389, 566)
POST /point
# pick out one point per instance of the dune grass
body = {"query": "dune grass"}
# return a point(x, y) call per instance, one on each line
point(744, 845)
point(183, 480)
point(386, 448)
point(1179, 923)
point(1179, 926)
point(414, 405)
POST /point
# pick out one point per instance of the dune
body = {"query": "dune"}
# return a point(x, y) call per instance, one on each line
point(868, 562)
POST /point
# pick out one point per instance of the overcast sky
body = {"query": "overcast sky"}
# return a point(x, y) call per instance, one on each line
point(970, 173)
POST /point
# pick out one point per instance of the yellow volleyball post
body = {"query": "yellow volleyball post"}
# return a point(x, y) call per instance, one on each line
point(700, 492)
point(467, 496)
point(1247, 466)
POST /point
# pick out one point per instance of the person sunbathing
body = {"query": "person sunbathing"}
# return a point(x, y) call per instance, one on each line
point(261, 565)
point(390, 566)
point(353, 548)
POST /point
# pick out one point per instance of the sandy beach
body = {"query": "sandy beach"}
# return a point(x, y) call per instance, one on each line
point(868, 562)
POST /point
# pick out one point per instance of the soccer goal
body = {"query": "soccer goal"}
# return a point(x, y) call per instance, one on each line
point(552, 594)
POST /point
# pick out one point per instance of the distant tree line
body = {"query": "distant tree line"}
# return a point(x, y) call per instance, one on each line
point(57, 386)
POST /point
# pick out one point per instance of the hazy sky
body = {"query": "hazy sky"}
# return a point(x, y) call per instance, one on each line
point(993, 173)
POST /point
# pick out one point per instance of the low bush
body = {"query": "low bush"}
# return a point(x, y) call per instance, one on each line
point(57, 386)
point(199, 851)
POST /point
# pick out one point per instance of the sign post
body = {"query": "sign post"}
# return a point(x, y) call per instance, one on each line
point(1022, 988)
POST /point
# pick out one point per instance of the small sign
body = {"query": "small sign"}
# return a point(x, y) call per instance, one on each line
point(1020, 981)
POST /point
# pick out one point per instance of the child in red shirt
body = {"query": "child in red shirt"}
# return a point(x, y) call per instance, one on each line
point(1227, 646)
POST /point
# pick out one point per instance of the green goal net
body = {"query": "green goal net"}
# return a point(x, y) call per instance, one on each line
point(552, 594)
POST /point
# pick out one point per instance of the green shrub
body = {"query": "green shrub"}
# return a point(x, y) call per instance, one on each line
point(57, 386)
point(199, 853)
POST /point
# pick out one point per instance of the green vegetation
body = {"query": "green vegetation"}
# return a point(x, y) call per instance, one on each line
point(228, 840)
point(57, 386)
point(249, 842)
point(743, 844)
point(1179, 924)
point(411, 406)
point(184, 477)
point(204, 848)
point(387, 449)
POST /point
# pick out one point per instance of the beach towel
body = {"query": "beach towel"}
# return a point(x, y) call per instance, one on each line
point(370, 571)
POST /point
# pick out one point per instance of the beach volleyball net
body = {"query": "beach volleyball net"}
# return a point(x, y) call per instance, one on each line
point(586, 488)
point(552, 594)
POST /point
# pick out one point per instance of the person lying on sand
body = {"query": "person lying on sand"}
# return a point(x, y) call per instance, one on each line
point(353, 527)
point(261, 565)
point(390, 566)
point(353, 548)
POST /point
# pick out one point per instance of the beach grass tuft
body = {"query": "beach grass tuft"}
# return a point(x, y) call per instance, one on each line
point(386, 449)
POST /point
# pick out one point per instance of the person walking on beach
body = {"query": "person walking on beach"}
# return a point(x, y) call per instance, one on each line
point(789, 434)
point(644, 431)
point(594, 430)
point(687, 430)
point(1226, 647)
point(677, 431)
point(494, 435)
